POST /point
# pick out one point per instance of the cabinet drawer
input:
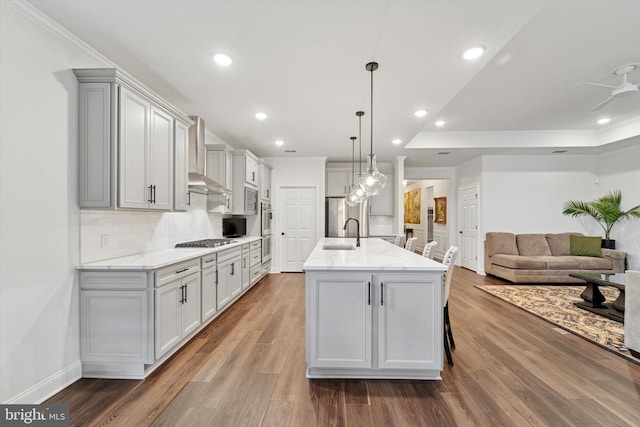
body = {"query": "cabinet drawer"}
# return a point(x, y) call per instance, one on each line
point(176, 271)
point(256, 272)
point(208, 261)
point(110, 280)
point(256, 245)
point(255, 258)
point(245, 249)
point(266, 267)
point(228, 254)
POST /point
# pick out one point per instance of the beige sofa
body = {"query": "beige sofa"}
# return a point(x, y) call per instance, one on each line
point(543, 258)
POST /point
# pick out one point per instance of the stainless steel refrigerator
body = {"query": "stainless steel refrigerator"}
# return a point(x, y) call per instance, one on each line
point(337, 211)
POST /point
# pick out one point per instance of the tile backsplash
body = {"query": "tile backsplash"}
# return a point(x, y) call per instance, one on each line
point(106, 234)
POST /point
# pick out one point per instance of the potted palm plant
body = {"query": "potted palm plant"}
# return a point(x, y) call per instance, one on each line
point(605, 210)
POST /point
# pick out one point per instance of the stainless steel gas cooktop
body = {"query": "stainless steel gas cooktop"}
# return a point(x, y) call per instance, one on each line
point(205, 243)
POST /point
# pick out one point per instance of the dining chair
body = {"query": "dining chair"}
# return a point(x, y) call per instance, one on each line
point(448, 260)
point(428, 250)
point(399, 241)
point(411, 244)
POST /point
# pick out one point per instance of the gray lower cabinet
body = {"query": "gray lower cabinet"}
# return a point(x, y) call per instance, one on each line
point(246, 277)
point(209, 286)
point(131, 321)
point(116, 323)
point(229, 276)
point(177, 312)
point(121, 338)
point(255, 257)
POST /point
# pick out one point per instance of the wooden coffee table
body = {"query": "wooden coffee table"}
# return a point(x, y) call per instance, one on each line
point(594, 301)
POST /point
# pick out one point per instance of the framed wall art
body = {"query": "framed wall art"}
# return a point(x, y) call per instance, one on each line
point(440, 214)
point(412, 207)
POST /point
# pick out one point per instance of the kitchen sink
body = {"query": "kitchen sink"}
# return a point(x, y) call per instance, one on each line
point(338, 247)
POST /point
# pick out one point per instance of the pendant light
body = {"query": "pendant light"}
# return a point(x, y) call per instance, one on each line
point(352, 197)
point(373, 181)
point(360, 194)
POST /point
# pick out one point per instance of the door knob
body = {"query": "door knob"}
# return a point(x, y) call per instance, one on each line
point(283, 233)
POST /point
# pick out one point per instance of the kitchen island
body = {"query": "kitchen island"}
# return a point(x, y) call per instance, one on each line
point(373, 311)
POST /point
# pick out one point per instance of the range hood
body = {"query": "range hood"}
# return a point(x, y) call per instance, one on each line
point(197, 159)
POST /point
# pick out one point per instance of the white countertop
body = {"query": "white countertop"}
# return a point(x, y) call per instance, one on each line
point(373, 254)
point(159, 259)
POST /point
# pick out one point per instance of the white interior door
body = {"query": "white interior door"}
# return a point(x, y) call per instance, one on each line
point(468, 209)
point(297, 211)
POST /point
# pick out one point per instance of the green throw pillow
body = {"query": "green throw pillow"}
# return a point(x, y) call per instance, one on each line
point(586, 246)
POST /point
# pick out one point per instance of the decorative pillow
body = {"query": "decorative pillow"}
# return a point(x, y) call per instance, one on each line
point(501, 243)
point(560, 243)
point(532, 245)
point(586, 246)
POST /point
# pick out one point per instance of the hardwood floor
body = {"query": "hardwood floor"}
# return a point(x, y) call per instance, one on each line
point(247, 368)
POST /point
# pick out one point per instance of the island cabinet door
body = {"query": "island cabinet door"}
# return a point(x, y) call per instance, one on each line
point(339, 320)
point(409, 312)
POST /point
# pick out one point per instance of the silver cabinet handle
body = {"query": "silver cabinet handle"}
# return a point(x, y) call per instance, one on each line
point(369, 295)
point(381, 293)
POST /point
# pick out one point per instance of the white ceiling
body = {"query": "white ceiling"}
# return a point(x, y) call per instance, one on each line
point(303, 63)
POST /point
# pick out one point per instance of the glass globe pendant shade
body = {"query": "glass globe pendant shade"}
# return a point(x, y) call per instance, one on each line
point(373, 181)
point(356, 195)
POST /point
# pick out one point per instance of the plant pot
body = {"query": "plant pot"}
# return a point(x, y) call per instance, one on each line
point(608, 244)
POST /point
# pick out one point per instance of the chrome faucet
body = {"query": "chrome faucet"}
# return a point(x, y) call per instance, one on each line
point(357, 229)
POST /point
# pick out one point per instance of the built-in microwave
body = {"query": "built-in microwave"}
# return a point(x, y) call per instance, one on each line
point(250, 201)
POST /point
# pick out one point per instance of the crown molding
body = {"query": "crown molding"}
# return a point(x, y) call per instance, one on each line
point(111, 70)
point(34, 15)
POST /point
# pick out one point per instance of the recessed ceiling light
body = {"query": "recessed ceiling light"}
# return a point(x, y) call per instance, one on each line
point(222, 59)
point(397, 141)
point(440, 123)
point(260, 116)
point(420, 113)
point(604, 121)
point(473, 53)
point(279, 142)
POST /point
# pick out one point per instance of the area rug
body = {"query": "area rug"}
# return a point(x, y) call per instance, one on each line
point(555, 305)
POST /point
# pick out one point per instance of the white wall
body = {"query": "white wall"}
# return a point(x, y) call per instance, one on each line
point(620, 170)
point(305, 171)
point(524, 194)
point(43, 234)
point(39, 217)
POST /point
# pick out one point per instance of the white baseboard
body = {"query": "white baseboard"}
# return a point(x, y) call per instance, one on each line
point(49, 386)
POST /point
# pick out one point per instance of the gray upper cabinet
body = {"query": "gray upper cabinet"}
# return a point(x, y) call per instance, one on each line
point(338, 182)
point(265, 181)
point(127, 144)
point(245, 169)
point(219, 165)
point(382, 203)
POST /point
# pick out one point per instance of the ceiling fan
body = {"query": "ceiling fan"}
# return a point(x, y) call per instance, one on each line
point(625, 88)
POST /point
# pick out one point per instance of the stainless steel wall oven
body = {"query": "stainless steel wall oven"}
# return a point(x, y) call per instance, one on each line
point(266, 218)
